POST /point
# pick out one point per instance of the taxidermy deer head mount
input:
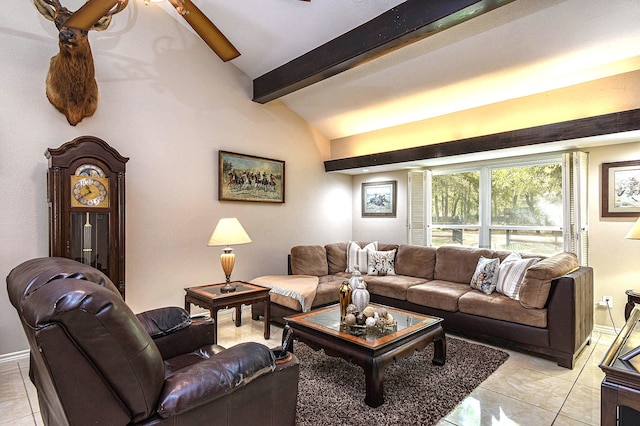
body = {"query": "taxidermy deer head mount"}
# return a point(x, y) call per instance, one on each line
point(71, 83)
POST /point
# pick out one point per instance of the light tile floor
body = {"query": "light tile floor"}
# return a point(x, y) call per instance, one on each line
point(525, 390)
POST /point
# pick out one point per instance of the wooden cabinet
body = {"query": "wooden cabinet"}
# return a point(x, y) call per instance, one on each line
point(86, 195)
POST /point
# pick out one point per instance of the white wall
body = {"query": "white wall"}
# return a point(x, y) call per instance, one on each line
point(383, 229)
point(614, 259)
point(168, 103)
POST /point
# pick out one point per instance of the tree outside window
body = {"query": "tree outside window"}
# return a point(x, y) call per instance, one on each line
point(525, 212)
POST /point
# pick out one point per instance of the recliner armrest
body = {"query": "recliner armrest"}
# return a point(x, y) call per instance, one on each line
point(215, 377)
point(175, 333)
point(163, 321)
point(200, 333)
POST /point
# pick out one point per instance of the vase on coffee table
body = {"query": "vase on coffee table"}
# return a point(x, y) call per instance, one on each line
point(359, 293)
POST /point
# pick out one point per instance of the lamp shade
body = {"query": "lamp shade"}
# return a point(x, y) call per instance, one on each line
point(634, 233)
point(228, 232)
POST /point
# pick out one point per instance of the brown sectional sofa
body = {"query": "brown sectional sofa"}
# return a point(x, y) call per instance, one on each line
point(553, 317)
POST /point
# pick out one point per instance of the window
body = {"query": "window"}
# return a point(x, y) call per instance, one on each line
point(534, 205)
point(455, 208)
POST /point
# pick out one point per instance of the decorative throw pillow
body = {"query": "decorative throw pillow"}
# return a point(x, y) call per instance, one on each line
point(511, 273)
point(485, 278)
point(357, 256)
point(382, 262)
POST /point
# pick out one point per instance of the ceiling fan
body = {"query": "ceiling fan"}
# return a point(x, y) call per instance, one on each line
point(85, 17)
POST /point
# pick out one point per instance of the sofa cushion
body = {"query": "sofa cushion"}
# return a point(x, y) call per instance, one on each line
point(328, 291)
point(393, 286)
point(485, 278)
point(511, 273)
point(500, 307)
point(415, 261)
point(536, 284)
point(438, 294)
point(387, 246)
point(381, 262)
point(457, 264)
point(336, 257)
point(309, 260)
point(358, 256)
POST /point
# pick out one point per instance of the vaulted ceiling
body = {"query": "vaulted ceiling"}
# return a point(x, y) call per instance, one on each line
point(521, 48)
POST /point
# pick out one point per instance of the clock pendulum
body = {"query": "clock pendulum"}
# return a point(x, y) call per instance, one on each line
point(86, 242)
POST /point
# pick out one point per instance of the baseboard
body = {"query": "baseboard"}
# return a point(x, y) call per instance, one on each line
point(604, 329)
point(14, 356)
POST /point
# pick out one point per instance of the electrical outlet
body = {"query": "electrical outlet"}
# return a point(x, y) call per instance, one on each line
point(607, 302)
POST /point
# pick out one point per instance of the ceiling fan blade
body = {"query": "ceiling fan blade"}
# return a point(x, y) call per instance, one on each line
point(206, 29)
point(89, 14)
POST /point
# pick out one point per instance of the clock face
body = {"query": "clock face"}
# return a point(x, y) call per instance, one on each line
point(89, 170)
point(89, 191)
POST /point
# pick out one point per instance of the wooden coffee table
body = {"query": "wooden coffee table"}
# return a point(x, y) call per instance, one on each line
point(321, 329)
point(212, 298)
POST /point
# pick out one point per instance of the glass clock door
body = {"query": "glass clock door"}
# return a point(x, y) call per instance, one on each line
point(90, 239)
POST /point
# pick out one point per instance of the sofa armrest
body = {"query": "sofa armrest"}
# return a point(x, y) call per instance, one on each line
point(212, 378)
point(570, 310)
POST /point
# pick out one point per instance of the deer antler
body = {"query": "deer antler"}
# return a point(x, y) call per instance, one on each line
point(45, 10)
point(93, 12)
point(104, 22)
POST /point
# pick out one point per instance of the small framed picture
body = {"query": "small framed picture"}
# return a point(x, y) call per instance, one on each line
point(379, 199)
point(621, 189)
point(248, 178)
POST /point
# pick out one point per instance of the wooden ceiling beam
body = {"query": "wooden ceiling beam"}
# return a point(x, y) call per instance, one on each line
point(406, 23)
point(617, 122)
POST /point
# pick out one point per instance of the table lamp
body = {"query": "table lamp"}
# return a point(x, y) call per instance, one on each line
point(228, 232)
point(634, 233)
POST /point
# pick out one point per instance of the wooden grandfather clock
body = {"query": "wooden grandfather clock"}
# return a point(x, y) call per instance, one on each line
point(86, 193)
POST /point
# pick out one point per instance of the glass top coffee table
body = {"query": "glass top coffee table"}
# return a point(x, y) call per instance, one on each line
point(322, 329)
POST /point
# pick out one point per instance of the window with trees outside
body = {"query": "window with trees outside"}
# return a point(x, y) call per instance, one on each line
point(532, 205)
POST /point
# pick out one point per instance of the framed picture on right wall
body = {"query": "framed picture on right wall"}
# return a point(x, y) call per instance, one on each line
point(379, 199)
point(621, 189)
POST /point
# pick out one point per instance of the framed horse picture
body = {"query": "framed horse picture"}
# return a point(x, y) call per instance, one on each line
point(379, 199)
point(248, 178)
point(621, 189)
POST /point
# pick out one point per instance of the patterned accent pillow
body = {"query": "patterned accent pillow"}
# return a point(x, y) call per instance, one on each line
point(382, 262)
point(357, 256)
point(511, 273)
point(485, 278)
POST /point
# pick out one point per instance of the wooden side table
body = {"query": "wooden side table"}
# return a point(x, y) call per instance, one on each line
point(210, 297)
point(633, 297)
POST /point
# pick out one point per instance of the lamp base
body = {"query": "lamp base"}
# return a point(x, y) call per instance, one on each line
point(227, 288)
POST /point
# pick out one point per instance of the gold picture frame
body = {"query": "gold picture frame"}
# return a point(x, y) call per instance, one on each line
point(248, 178)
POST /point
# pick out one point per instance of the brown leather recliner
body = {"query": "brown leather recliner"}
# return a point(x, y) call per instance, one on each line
point(94, 362)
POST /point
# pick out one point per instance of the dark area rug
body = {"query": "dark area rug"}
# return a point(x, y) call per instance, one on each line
point(416, 392)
